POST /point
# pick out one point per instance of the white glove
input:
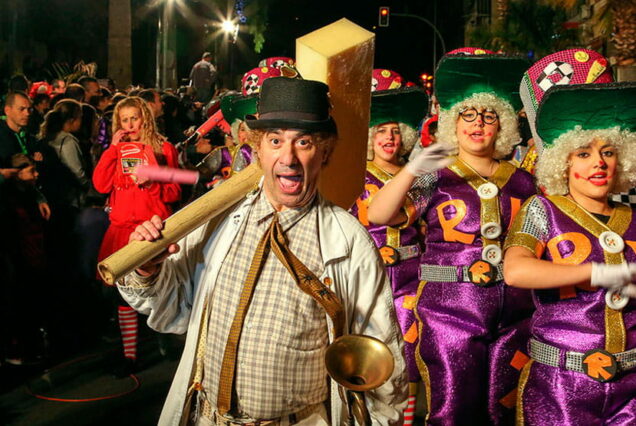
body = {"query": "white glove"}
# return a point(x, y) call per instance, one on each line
point(614, 277)
point(430, 159)
point(629, 290)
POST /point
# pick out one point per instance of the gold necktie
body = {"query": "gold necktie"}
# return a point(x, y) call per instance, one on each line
point(228, 365)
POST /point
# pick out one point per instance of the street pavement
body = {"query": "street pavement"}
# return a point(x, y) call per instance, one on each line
point(82, 391)
point(83, 380)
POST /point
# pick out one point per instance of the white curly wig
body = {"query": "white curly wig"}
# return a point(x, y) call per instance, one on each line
point(508, 135)
point(552, 165)
point(409, 137)
point(234, 129)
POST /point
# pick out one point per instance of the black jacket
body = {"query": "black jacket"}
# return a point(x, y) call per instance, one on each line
point(9, 144)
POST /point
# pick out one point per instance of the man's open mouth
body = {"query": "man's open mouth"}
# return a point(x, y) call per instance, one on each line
point(290, 184)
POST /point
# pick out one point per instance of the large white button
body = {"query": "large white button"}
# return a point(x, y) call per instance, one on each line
point(487, 191)
point(491, 230)
point(611, 242)
point(615, 300)
point(491, 254)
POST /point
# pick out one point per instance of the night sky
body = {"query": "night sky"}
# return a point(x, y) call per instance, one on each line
point(70, 30)
point(406, 46)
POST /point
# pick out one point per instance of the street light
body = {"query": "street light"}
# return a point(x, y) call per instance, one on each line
point(230, 28)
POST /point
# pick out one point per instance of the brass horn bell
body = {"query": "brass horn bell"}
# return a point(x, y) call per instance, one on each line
point(359, 363)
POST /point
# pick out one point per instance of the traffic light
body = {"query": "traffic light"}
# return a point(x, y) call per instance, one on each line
point(383, 16)
point(427, 81)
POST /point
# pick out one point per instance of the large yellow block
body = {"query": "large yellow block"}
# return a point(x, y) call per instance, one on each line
point(341, 55)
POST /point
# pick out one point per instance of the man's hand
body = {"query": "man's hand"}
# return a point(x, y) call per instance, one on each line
point(150, 230)
point(45, 210)
point(189, 131)
point(37, 156)
point(203, 146)
point(613, 277)
point(429, 160)
point(9, 173)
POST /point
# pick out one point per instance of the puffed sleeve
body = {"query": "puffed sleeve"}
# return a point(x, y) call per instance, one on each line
point(530, 228)
point(105, 170)
point(421, 191)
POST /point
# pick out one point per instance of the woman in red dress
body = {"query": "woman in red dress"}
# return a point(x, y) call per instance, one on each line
point(133, 200)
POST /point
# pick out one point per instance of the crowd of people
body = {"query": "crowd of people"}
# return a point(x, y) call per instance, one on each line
point(484, 251)
point(65, 203)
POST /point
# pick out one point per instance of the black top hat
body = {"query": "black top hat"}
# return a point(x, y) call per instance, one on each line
point(287, 103)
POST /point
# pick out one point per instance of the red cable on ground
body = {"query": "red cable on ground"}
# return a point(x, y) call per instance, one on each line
point(100, 398)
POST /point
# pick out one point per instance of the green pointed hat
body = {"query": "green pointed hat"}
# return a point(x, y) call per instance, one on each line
point(406, 105)
point(590, 106)
point(459, 76)
point(237, 107)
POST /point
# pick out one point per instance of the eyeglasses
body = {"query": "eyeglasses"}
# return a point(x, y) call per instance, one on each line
point(469, 115)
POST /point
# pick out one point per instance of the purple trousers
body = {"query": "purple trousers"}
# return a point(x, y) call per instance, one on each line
point(404, 284)
point(469, 336)
point(554, 396)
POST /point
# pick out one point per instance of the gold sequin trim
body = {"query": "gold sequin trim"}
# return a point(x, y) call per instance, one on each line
point(426, 379)
point(490, 211)
point(615, 333)
point(419, 362)
point(392, 237)
point(233, 151)
point(523, 380)
point(382, 175)
point(530, 160)
point(619, 220)
point(526, 241)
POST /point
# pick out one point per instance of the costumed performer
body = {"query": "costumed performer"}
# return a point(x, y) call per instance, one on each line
point(575, 249)
point(220, 164)
point(254, 352)
point(132, 200)
point(471, 326)
point(395, 114)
